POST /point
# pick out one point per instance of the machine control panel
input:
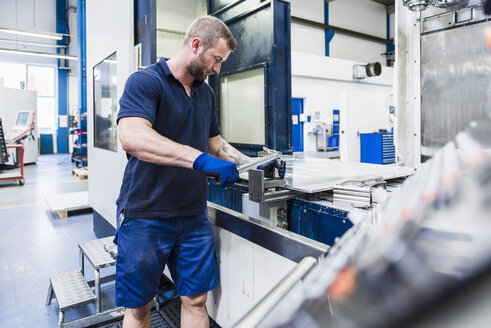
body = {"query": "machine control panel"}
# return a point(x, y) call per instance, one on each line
point(24, 124)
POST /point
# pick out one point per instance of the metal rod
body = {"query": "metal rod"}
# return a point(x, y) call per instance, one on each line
point(81, 261)
point(50, 294)
point(61, 316)
point(102, 280)
point(91, 320)
point(97, 290)
point(265, 305)
point(168, 30)
point(341, 30)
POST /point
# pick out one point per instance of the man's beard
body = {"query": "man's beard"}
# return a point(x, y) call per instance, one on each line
point(197, 68)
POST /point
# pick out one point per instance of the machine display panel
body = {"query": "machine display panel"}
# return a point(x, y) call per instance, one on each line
point(242, 107)
point(22, 118)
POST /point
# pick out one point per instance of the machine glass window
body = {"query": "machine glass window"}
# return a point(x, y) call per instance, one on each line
point(242, 107)
point(105, 104)
point(42, 80)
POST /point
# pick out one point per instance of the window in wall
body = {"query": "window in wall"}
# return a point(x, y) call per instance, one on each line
point(14, 75)
point(105, 104)
point(41, 79)
point(242, 107)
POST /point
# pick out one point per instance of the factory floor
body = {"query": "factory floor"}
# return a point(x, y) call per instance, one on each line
point(35, 244)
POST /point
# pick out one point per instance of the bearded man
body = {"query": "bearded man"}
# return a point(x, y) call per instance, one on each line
point(168, 124)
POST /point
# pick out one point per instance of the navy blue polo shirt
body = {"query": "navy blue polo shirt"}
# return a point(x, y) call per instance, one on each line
point(155, 191)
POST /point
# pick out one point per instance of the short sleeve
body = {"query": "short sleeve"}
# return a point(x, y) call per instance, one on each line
point(141, 97)
point(214, 126)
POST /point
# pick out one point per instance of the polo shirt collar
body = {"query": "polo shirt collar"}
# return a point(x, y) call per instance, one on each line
point(165, 68)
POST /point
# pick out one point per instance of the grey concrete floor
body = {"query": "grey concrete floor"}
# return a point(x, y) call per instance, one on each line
point(35, 244)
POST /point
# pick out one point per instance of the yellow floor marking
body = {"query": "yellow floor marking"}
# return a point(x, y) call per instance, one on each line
point(21, 205)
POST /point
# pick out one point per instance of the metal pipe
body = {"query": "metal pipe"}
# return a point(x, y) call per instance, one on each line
point(97, 290)
point(81, 261)
point(265, 305)
point(341, 30)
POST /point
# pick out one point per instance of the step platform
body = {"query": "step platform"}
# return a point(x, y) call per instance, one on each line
point(71, 290)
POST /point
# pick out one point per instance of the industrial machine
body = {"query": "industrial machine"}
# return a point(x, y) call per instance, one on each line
point(413, 262)
point(24, 133)
point(421, 256)
point(442, 85)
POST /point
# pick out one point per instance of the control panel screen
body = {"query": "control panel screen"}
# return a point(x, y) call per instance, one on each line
point(22, 118)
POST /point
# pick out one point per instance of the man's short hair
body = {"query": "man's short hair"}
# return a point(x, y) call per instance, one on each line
point(209, 30)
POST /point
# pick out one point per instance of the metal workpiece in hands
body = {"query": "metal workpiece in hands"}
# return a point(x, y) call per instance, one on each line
point(224, 172)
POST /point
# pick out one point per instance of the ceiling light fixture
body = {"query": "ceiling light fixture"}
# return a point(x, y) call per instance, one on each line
point(44, 35)
point(38, 54)
point(36, 44)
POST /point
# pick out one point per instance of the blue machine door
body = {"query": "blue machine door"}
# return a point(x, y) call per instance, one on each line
point(297, 124)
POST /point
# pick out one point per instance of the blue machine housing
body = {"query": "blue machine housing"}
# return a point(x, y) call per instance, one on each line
point(316, 221)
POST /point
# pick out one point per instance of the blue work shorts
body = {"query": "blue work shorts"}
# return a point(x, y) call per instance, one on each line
point(145, 246)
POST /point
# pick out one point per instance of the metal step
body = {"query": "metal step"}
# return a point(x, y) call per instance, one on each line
point(98, 252)
point(71, 290)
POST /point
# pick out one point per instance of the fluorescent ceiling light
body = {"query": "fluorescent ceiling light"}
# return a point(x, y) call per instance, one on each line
point(37, 54)
point(33, 43)
point(44, 35)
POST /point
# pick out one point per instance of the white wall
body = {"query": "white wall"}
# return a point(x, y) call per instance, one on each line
point(107, 167)
point(34, 15)
point(327, 83)
point(306, 38)
point(361, 16)
point(178, 19)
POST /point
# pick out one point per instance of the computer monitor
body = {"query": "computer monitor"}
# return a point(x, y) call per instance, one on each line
point(22, 118)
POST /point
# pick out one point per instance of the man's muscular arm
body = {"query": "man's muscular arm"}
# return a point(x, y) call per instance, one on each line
point(220, 148)
point(139, 139)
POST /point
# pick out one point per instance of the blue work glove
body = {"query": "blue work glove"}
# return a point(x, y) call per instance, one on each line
point(269, 167)
point(224, 172)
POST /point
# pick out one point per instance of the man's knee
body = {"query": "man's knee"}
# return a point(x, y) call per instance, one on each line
point(194, 301)
point(140, 314)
